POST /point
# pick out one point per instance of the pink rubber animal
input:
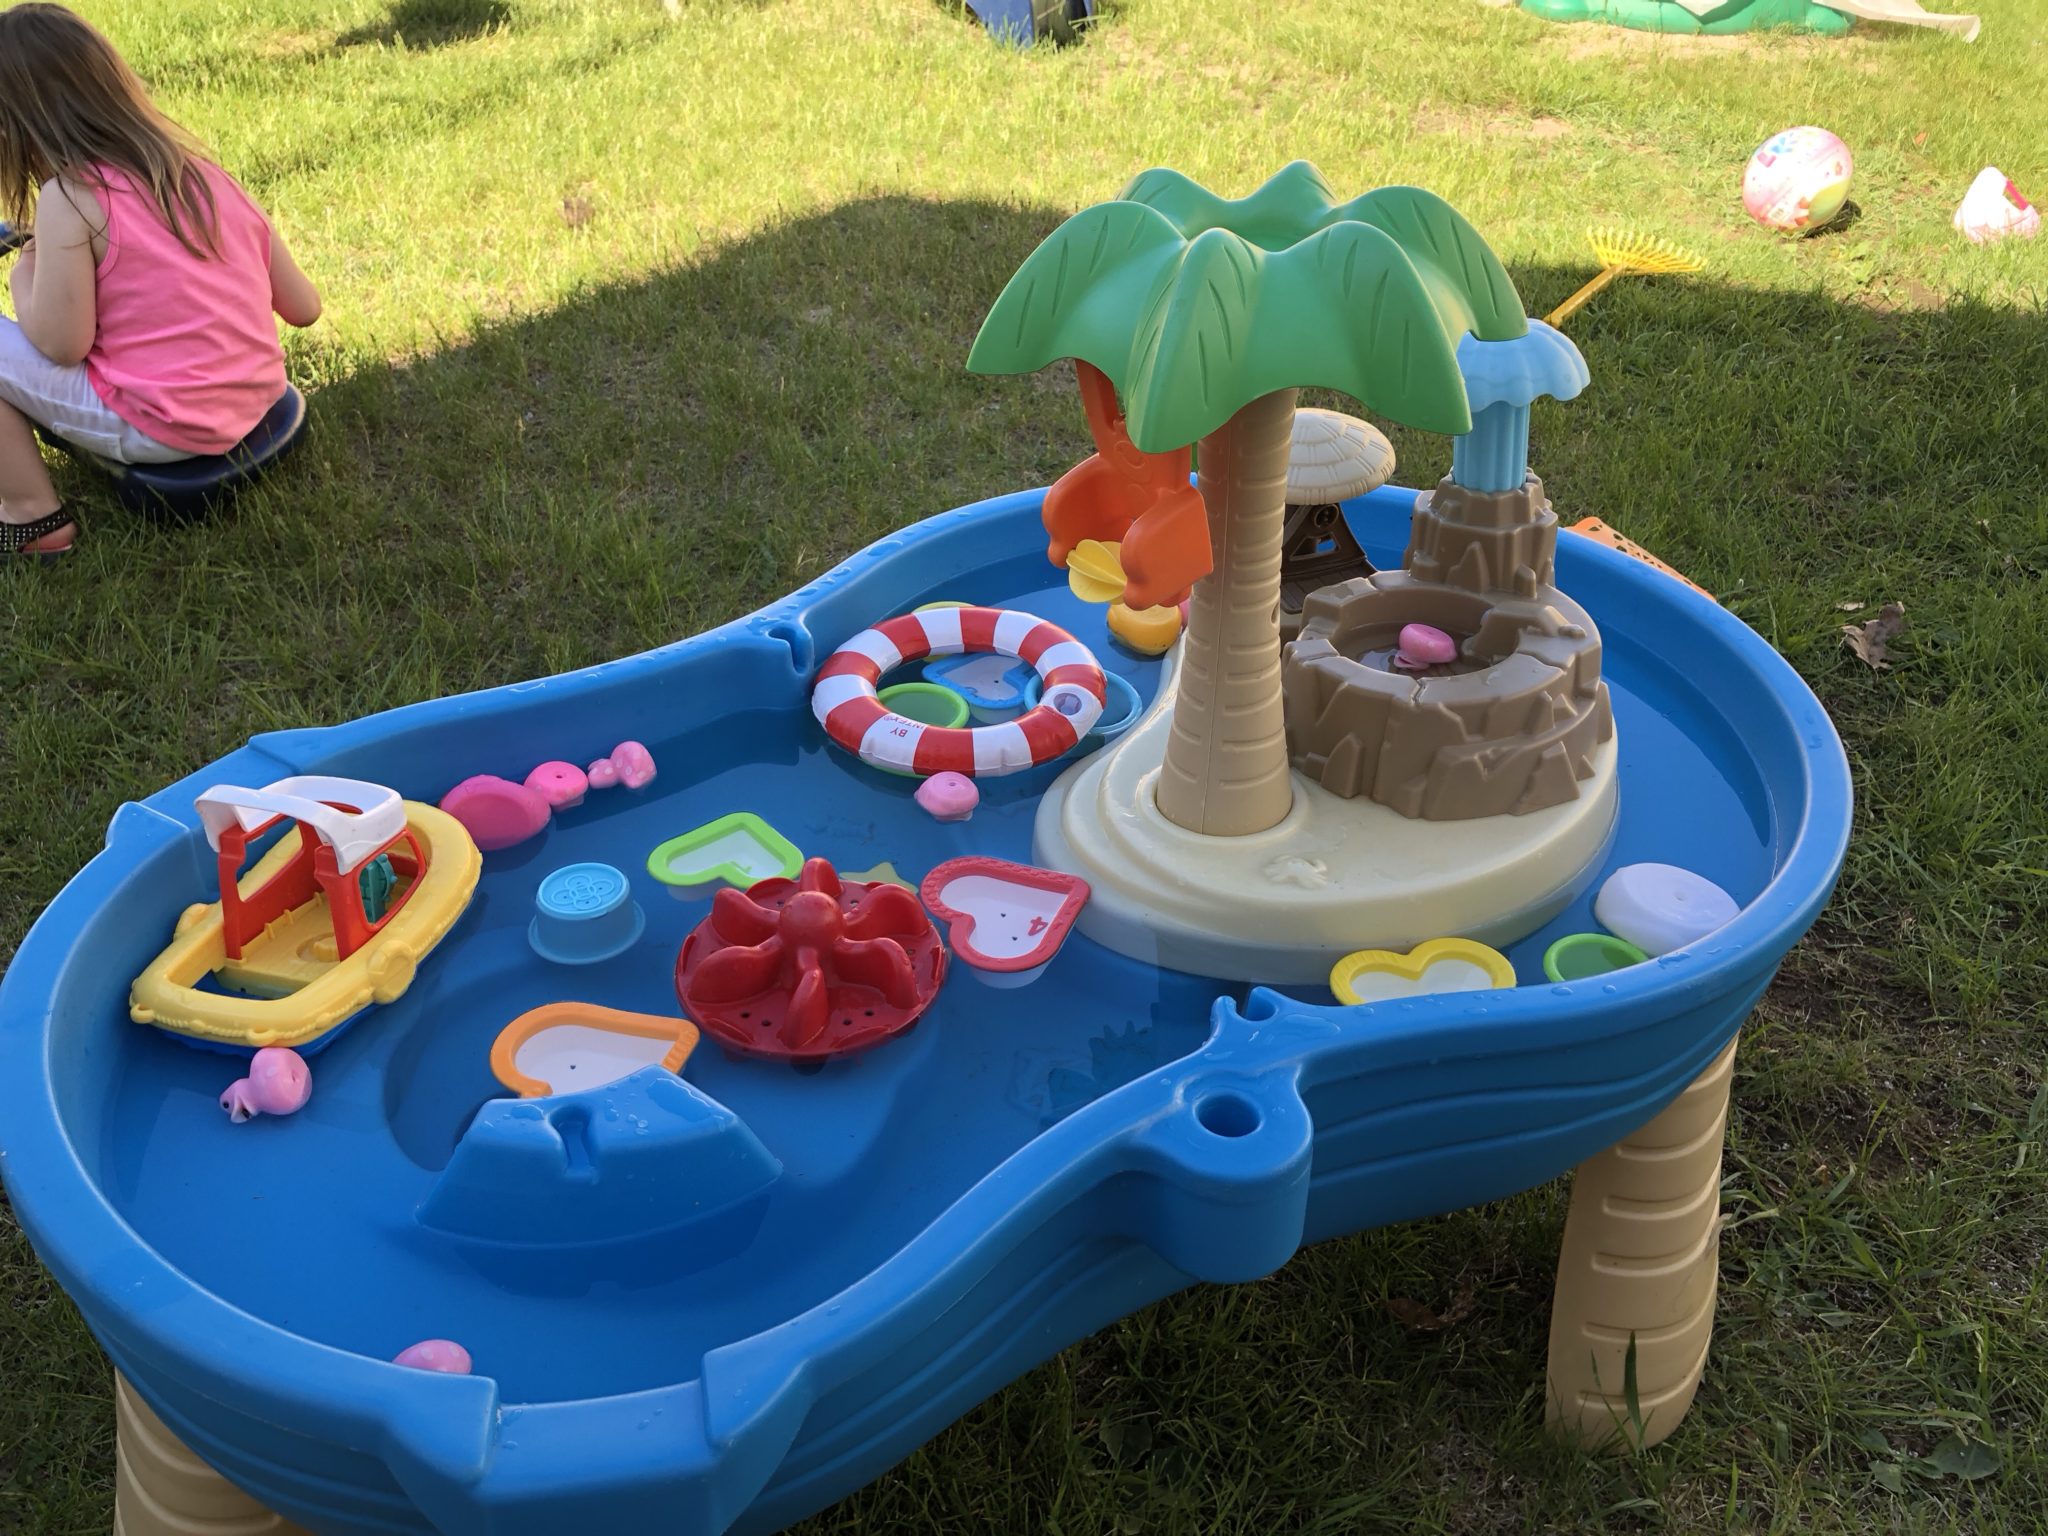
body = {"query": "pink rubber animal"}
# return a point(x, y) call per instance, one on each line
point(949, 796)
point(279, 1083)
point(435, 1355)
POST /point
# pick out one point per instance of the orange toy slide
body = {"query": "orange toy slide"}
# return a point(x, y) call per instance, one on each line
point(1141, 500)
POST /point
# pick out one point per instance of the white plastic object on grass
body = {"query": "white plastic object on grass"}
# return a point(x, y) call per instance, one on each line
point(1660, 907)
point(1993, 208)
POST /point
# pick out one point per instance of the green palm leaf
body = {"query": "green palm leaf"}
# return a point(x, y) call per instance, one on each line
point(1195, 304)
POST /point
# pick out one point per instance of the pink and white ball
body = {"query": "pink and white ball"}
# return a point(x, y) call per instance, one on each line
point(1798, 179)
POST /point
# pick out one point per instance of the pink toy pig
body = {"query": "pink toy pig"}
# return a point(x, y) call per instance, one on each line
point(435, 1355)
point(279, 1082)
point(949, 796)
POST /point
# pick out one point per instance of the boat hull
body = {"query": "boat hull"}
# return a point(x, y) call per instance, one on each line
point(168, 995)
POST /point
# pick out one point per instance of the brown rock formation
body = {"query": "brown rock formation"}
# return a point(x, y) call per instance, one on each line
point(1508, 728)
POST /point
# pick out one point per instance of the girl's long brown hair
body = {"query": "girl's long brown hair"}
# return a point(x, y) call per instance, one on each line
point(69, 102)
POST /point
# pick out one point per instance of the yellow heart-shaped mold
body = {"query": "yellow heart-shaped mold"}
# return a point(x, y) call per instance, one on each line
point(1440, 965)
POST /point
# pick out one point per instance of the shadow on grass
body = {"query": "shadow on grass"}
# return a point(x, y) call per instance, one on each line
point(431, 23)
point(650, 459)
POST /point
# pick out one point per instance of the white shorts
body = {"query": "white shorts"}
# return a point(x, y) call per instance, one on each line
point(59, 397)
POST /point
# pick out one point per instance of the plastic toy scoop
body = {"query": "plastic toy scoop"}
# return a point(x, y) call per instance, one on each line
point(1439, 965)
point(279, 1083)
point(1005, 921)
point(571, 1047)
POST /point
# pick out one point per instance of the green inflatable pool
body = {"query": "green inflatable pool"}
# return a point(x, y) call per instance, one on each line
point(1712, 20)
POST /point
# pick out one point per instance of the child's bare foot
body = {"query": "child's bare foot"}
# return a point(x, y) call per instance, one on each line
point(49, 535)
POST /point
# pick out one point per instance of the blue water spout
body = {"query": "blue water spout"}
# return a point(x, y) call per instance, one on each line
point(1502, 380)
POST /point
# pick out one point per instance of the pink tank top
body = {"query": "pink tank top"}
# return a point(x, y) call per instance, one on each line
point(187, 350)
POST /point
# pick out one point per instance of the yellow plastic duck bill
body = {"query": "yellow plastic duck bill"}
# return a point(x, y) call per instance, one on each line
point(335, 916)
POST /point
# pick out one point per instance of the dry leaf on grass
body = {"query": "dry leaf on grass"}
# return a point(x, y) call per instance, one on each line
point(1871, 639)
point(1414, 1314)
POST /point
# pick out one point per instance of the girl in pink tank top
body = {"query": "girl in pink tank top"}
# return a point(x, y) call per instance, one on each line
point(143, 306)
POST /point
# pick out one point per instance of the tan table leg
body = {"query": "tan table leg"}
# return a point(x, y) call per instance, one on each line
point(1641, 1252)
point(162, 1489)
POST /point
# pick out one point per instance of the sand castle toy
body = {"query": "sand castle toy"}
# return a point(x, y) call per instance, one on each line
point(1511, 724)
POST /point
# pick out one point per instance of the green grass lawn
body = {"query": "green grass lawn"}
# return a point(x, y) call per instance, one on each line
point(639, 318)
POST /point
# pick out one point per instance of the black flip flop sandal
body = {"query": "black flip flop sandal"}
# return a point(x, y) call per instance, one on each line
point(15, 538)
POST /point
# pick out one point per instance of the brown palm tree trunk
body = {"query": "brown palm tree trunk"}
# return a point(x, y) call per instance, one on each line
point(1226, 769)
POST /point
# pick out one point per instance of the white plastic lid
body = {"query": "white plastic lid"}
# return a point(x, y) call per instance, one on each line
point(1660, 907)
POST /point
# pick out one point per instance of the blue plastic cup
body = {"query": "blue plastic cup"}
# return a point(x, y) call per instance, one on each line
point(584, 913)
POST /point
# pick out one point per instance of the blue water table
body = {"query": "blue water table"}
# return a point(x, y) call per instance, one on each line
point(707, 1232)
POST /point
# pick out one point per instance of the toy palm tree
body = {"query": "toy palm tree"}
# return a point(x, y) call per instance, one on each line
point(1206, 315)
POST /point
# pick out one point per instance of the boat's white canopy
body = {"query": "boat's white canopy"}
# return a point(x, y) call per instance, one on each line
point(353, 835)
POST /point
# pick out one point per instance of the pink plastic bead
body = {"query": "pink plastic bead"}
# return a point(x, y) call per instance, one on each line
point(603, 773)
point(635, 764)
point(1424, 645)
point(496, 812)
point(279, 1083)
point(949, 796)
point(560, 784)
point(436, 1355)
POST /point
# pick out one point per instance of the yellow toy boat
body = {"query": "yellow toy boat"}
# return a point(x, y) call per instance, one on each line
point(323, 925)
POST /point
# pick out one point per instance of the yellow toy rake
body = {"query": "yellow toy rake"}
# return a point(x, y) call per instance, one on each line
point(1621, 254)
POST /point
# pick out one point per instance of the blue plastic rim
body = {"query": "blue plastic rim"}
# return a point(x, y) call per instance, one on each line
point(939, 1214)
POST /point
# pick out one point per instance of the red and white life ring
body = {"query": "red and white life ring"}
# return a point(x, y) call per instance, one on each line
point(845, 702)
